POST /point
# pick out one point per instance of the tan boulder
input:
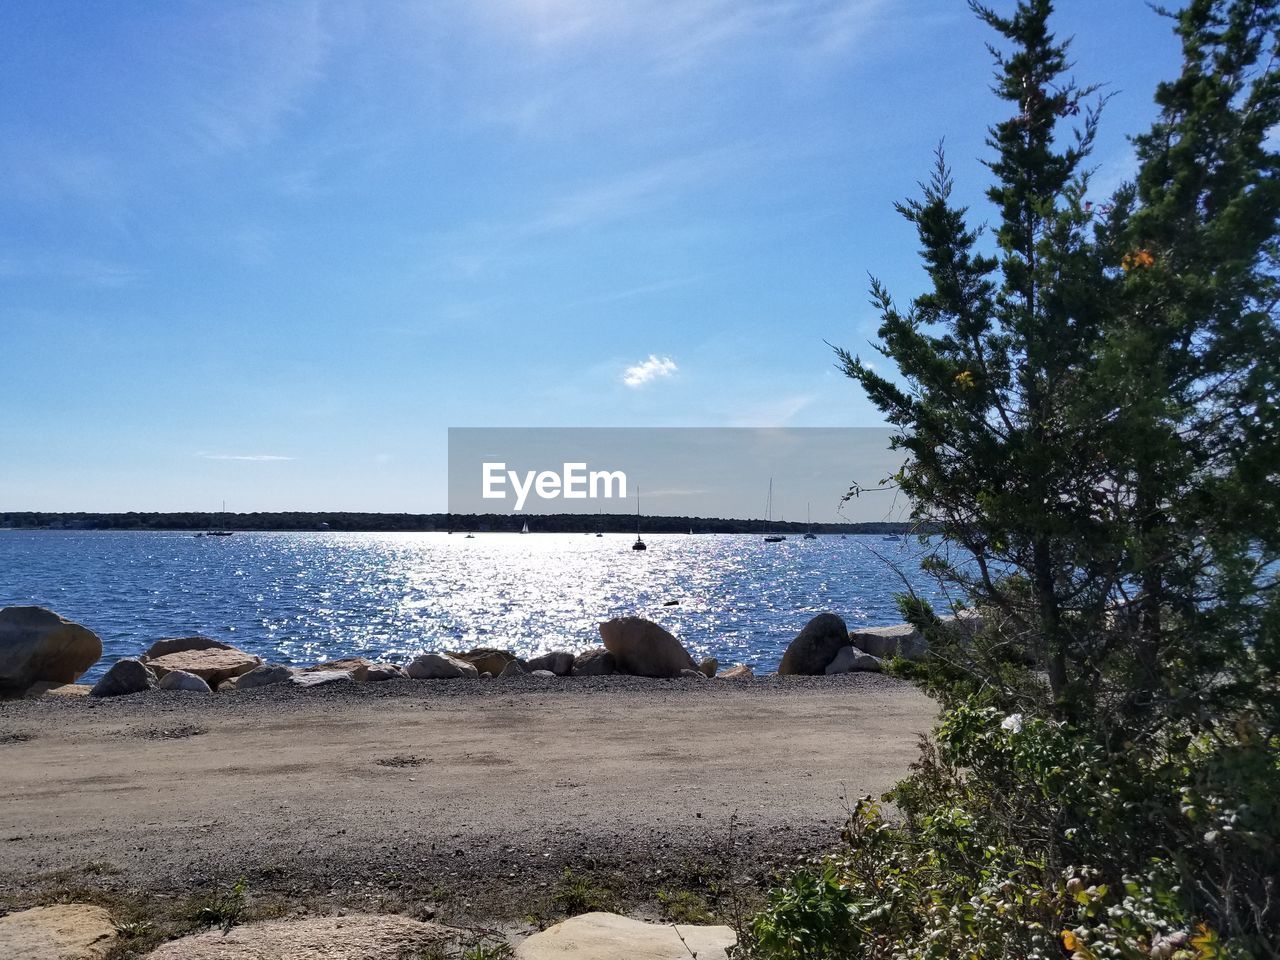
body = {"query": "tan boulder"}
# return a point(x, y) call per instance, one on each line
point(66, 931)
point(162, 648)
point(738, 672)
point(358, 667)
point(213, 664)
point(46, 688)
point(486, 659)
point(385, 671)
point(439, 666)
point(366, 937)
point(38, 645)
point(608, 936)
point(643, 648)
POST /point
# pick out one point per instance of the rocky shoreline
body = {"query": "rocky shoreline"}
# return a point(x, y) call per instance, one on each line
point(42, 653)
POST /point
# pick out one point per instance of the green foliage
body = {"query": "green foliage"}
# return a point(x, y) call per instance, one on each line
point(579, 894)
point(1087, 407)
point(222, 908)
point(684, 906)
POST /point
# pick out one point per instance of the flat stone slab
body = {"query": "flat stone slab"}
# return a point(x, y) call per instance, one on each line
point(67, 931)
point(360, 937)
point(608, 936)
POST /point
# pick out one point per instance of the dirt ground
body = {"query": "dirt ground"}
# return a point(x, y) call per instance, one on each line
point(477, 798)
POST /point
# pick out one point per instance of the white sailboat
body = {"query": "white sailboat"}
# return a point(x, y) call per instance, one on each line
point(768, 518)
point(525, 528)
point(809, 534)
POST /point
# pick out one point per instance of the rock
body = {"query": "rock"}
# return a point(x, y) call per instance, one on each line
point(736, 673)
point(512, 669)
point(384, 937)
point(849, 659)
point(358, 667)
point(542, 673)
point(607, 936)
point(320, 678)
point(693, 674)
point(38, 645)
point(263, 676)
point(597, 662)
point(643, 648)
point(125, 677)
point(181, 680)
point(901, 640)
point(815, 646)
point(560, 663)
point(486, 659)
point(226, 686)
point(45, 688)
point(440, 666)
point(212, 664)
point(66, 931)
point(162, 648)
point(384, 671)
point(709, 666)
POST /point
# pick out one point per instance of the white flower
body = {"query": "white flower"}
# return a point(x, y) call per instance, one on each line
point(1012, 723)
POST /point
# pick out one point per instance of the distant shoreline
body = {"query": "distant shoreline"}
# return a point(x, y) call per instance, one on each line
point(351, 522)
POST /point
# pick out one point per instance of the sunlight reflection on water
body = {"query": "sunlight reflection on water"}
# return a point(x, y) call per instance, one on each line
point(306, 597)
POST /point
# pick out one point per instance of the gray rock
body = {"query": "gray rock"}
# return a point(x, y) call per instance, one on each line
point(594, 663)
point(125, 677)
point(643, 648)
point(559, 662)
point(815, 646)
point(709, 666)
point(542, 673)
point(849, 659)
point(321, 678)
point(512, 669)
point(264, 676)
point(693, 674)
point(162, 648)
point(385, 671)
point(900, 640)
point(440, 666)
point(181, 680)
point(37, 645)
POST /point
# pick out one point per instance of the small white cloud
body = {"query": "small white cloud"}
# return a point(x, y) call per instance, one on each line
point(253, 457)
point(648, 370)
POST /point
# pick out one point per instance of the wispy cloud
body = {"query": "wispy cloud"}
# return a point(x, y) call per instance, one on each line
point(649, 370)
point(81, 270)
point(250, 457)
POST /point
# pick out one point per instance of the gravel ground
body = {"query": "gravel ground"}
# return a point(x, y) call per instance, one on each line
point(468, 798)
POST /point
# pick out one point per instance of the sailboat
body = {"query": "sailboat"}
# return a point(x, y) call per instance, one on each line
point(525, 528)
point(809, 534)
point(639, 544)
point(221, 533)
point(768, 518)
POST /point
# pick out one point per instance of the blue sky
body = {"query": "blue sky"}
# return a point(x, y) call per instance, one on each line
point(269, 252)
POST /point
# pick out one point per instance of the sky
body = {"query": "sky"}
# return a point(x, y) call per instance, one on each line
point(268, 253)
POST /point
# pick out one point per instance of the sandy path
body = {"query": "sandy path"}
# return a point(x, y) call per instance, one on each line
point(172, 789)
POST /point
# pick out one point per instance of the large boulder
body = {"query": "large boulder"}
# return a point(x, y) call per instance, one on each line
point(38, 645)
point(815, 646)
point(738, 672)
point(486, 659)
point(65, 931)
point(212, 664)
point(851, 659)
point(125, 677)
point(558, 662)
point(643, 648)
point(358, 667)
point(162, 648)
point(439, 666)
point(263, 676)
point(181, 680)
point(512, 669)
point(608, 936)
point(597, 662)
point(900, 640)
point(709, 666)
point(382, 937)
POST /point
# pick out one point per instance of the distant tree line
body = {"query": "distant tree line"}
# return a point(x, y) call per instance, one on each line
point(421, 522)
